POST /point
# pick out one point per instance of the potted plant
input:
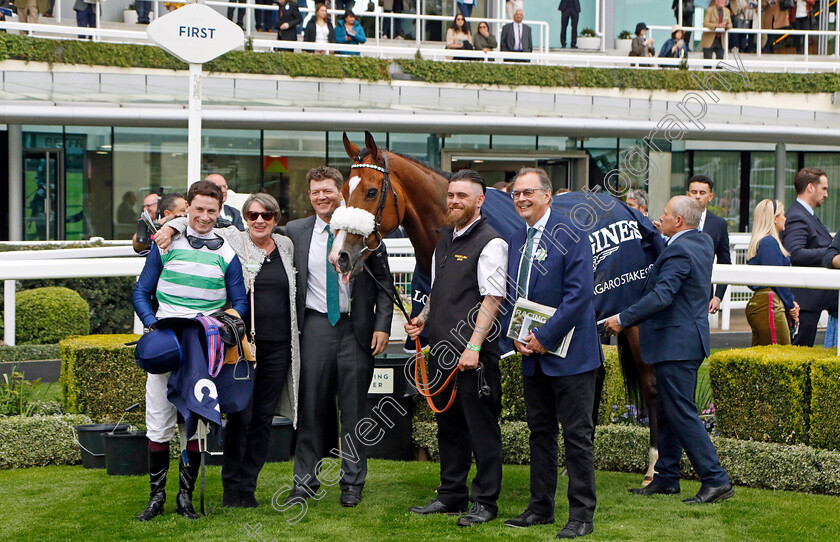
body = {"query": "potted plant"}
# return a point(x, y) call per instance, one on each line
point(588, 40)
point(130, 15)
point(622, 44)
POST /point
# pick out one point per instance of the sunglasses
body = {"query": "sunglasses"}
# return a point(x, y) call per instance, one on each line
point(214, 243)
point(266, 215)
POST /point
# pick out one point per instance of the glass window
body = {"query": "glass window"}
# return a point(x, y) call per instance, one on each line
point(88, 182)
point(466, 141)
point(287, 156)
point(524, 143)
point(724, 169)
point(554, 143)
point(235, 155)
point(763, 179)
point(829, 162)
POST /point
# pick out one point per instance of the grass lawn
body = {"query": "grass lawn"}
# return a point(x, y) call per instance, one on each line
point(71, 503)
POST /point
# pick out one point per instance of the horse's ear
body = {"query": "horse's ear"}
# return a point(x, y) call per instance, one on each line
point(370, 145)
point(352, 150)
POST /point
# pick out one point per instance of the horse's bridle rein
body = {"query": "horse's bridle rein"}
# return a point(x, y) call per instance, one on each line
point(421, 380)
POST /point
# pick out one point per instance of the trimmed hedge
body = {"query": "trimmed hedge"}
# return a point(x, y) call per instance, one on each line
point(39, 440)
point(625, 449)
point(48, 315)
point(99, 377)
point(29, 352)
point(825, 403)
point(764, 393)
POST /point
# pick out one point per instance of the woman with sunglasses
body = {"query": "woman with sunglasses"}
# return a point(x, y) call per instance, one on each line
point(458, 35)
point(267, 263)
point(484, 40)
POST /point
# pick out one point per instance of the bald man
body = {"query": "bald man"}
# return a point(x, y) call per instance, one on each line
point(228, 212)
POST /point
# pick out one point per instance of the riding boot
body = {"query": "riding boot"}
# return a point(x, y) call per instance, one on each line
point(186, 483)
point(158, 466)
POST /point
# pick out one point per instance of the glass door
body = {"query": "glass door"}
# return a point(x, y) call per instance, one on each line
point(43, 172)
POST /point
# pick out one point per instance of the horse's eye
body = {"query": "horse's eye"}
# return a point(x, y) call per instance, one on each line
point(371, 193)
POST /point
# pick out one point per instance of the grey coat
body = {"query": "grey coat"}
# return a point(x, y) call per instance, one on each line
point(239, 240)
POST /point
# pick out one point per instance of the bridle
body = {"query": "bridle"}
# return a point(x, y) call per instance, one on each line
point(383, 198)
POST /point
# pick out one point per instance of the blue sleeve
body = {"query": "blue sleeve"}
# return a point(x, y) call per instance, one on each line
point(673, 272)
point(360, 33)
point(236, 287)
point(146, 286)
point(832, 251)
point(769, 253)
point(665, 52)
point(340, 32)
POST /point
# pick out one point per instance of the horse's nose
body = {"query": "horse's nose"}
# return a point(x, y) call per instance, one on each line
point(344, 261)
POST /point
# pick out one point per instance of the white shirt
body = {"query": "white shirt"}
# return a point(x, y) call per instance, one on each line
point(517, 36)
point(801, 9)
point(316, 284)
point(322, 33)
point(540, 226)
point(702, 220)
point(808, 207)
point(492, 265)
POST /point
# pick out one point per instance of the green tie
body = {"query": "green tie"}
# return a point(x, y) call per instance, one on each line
point(333, 310)
point(525, 265)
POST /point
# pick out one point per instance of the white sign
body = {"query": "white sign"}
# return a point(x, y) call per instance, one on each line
point(382, 381)
point(196, 33)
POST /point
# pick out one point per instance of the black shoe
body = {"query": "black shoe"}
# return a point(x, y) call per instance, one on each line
point(436, 507)
point(528, 518)
point(158, 467)
point(653, 488)
point(478, 514)
point(248, 500)
point(230, 499)
point(297, 495)
point(574, 529)
point(186, 485)
point(708, 494)
point(351, 496)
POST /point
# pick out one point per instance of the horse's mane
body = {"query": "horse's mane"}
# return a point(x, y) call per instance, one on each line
point(445, 174)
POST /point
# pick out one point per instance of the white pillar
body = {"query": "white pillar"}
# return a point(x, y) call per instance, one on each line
point(194, 126)
point(9, 312)
point(15, 165)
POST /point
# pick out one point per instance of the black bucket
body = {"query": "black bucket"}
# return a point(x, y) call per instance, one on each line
point(90, 441)
point(126, 453)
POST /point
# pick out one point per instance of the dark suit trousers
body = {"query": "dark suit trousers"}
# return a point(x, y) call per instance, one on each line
point(248, 432)
point(681, 429)
point(471, 428)
point(569, 400)
point(332, 363)
point(573, 15)
point(807, 327)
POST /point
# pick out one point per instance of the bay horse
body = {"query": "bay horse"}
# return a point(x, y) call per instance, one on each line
point(388, 189)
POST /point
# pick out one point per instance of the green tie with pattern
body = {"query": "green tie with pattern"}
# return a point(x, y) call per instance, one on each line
point(525, 265)
point(333, 310)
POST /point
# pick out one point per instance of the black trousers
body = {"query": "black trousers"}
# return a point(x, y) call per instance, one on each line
point(807, 332)
point(238, 12)
point(573, 15)
point(471, 428)
point(801, 23)
point(247, 432)
point(569, 400)
point(715, 50)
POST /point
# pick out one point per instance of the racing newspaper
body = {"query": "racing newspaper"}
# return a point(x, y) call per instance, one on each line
point(528, 316)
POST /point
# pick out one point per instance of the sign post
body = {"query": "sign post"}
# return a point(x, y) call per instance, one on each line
point(195, 34)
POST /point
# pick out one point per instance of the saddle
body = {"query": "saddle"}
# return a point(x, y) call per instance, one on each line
point(232, 333)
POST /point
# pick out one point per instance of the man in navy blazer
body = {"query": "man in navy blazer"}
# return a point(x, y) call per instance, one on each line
point(570, 9)
point(702, 189)
point(550, 262)
point(674, 334)
point(807, 238)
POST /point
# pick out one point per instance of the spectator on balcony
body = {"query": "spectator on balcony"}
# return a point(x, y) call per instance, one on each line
point(484, 40)
point(263, 18)
point(512, 6)
point(800, 17)
point(288, 20)
point(458, 35)
point(465, 8)
point(774, 17)
point(237, 13)
point(641, 44)
point(571, 11)
point(391, 27)
point(516, 36)
point(29, 10)
point(319, 29)
point(687, 18)
point(675, 47)
point(743, 16)
point(349, 30)
point(717, 21)
point(771, 312)
point(85, 15)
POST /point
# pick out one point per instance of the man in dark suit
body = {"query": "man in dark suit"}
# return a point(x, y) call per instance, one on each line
point(337, 344)
point(228, 213)
point(516, 36)
point(550, 264)
point(702, 190)
point(806, 238)
point(674, 334)
point(571, 11)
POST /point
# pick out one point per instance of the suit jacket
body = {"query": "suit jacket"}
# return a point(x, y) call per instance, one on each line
point(289, 13)
point(807, 238)
point(710, 21)
point(508, 40)
point(673, 312)
point(236, 217)
point(371, 308)
point(717, 229)
point(564, 281)
point(569, 5)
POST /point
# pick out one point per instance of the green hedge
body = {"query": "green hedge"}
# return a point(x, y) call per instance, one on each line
point(764, 393)
point(825, 403)
point(625, 449)
point(48, 315)
point(99, 377)
point(39, 440)
point(29, 352)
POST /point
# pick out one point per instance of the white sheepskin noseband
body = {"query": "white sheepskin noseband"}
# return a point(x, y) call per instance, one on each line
point(352, 220)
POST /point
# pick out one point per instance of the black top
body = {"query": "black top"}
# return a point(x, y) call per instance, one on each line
point(271, 300)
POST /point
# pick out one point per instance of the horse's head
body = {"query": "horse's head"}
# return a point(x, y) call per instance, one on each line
point(371, 210)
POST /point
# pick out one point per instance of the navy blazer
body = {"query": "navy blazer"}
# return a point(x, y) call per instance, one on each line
point(236, 216)
point(807, 238)
point(569, 5)
point(563, 280)
point(673, 314)
point(718, 230)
